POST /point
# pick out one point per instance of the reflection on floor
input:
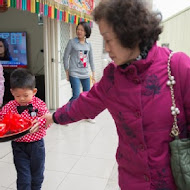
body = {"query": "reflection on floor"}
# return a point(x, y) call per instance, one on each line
point(80, 156)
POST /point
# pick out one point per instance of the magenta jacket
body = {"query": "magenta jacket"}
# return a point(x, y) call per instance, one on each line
point(140, 103)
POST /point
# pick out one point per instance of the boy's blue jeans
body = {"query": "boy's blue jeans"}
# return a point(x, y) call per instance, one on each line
point(29, 160)
point(75, 85)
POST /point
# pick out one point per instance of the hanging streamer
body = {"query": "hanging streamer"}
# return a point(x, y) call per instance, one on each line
point(55, 9)
point(8, 3)
point(49, 11)
point(18, 4)
point(41, 7)
point(28, 5)
point(33, 6)
point(52, 12)
point(24, 5)
point(45, 9)
point(13, 3)
point(60, 15)
point(37, 6)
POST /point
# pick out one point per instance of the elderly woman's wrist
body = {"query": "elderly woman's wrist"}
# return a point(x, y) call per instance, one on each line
point(54, 119)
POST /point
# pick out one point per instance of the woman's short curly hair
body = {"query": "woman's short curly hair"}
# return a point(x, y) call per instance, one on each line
point(132, 21)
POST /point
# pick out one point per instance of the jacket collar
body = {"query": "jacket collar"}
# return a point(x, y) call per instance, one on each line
point(77, 40)
point(142, 64)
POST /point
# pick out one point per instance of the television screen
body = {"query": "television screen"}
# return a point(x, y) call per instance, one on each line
point(13, 52)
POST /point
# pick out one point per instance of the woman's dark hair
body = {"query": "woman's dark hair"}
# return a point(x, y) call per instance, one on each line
point(132, 21)
point(86, 27)
point(22, 78)
point(7, 56)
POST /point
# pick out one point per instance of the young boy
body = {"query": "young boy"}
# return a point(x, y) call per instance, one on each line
point(29, 150)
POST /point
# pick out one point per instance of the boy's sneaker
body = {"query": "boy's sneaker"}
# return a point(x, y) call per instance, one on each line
point(91, 121)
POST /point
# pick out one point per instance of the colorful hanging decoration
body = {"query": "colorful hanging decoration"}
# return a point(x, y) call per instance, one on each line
point(3, 6)
point(69, 11)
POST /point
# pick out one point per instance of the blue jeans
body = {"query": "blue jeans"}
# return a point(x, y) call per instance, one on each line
point(75, 85)
point(29, 160)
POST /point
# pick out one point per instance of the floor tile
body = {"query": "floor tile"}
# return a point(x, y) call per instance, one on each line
point(7, 174)
point(73, 148)
point(5, 148)
point(78, 182)
point(56, 161)
point(8, 158)
point(112, 183)
point(2, 188)
point(93, 167)
point(102, 149)
point(52, 180)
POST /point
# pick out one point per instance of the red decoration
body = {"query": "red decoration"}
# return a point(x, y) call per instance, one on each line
point(13, 123)
point(3, 6)
point(3, 129)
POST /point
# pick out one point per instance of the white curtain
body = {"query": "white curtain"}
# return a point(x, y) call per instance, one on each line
point(51, 63)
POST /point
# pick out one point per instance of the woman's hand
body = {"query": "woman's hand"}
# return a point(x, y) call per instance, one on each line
point(36, 123)
point(93, 78)
point(67, 75)
point(49, 118)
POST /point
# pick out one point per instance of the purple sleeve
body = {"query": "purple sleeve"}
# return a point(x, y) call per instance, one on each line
point(88, 104)
point(181, 68)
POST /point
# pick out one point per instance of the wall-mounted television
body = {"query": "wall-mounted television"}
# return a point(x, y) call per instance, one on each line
point(13, 49)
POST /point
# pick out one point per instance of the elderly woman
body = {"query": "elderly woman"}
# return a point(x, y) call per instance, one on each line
point(134, 90)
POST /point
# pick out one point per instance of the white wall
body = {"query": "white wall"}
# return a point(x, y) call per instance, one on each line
point(17, 20)
point(177, 32)
point(64, 34)
point(97, 47)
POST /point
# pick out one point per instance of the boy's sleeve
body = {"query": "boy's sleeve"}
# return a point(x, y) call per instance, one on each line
point(5, 109)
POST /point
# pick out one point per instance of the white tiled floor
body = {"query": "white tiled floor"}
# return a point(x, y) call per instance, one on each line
point(80, 156)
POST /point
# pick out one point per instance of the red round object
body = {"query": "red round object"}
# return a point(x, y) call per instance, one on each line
point(13, 126)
